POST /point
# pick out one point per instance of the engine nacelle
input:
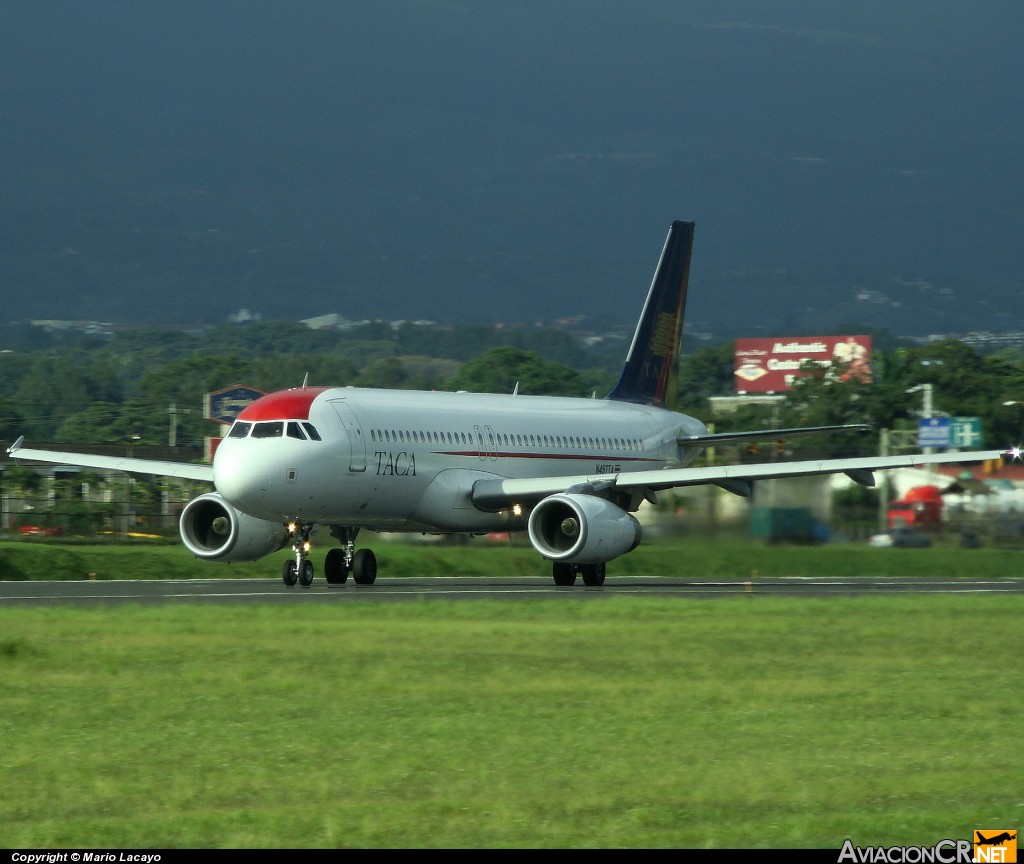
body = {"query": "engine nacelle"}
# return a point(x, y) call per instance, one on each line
point(582, 529)
point(212, 529)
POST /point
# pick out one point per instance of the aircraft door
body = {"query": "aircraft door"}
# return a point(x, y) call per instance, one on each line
point(492, 442)
point(481, 447)
point(487, 446)
point(357, 441)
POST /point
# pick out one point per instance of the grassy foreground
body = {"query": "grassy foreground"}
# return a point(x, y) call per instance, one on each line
point(743, 721)
point(693, 558)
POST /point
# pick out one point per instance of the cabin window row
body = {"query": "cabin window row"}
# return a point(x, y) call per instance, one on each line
point(392, 436)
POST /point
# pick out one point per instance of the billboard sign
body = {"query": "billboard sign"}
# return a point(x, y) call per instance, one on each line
point(225, 405)
point(772, 365)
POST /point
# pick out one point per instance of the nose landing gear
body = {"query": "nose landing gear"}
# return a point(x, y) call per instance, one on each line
point(301, 569)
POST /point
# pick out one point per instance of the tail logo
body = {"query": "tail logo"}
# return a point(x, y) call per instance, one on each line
point(664, 342)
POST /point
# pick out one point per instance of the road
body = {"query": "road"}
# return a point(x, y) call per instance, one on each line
point(146, 592)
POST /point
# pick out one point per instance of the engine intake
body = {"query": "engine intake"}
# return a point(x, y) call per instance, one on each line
point(582, 529)
point(212, 529)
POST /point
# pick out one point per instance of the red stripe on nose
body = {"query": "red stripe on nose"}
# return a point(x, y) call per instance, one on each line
point(282, 405)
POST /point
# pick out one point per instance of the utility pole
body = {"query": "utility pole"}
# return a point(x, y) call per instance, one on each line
point(883, 490)
point(172, 434)
point(928, 411)
point(710, 490)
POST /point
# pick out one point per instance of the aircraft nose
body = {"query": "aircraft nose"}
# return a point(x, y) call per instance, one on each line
point(243, 478)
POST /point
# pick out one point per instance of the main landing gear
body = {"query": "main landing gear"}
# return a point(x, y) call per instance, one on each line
point(565, 574)
point(362, 563)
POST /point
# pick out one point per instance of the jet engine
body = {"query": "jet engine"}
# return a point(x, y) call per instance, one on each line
point(212, 529)
point(582, 529)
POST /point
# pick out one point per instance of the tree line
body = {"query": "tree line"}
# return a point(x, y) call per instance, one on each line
point(147, 385)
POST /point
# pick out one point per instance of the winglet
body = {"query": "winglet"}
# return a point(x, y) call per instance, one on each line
point(16, 445)
point(649, 375)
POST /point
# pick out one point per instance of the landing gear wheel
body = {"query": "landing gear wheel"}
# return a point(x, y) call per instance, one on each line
point(564, 574)
point(364, 567)
point(593, 574)
point(335, 567)
point(289, 573)
point(306, 573)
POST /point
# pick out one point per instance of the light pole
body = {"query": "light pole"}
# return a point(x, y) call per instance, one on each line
point(927, 411)
point(927, 408)
point(1013, 452)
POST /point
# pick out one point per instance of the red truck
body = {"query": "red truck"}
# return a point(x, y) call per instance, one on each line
point(920, 507)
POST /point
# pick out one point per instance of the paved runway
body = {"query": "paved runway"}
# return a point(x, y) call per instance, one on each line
point(463, 588)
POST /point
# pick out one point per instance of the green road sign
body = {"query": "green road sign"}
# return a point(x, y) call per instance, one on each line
point(965, 432)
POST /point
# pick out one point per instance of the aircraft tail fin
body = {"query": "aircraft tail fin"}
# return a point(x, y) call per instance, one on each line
point(649, 374)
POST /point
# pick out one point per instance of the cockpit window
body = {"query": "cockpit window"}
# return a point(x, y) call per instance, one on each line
point(268, 430)
point(275, 429)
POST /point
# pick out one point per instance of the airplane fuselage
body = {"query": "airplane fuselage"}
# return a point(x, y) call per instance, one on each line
point(407, 460)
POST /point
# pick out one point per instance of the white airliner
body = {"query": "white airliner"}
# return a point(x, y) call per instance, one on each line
point(571, 472)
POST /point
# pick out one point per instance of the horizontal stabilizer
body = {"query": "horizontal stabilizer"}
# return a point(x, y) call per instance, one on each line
point(715, 439)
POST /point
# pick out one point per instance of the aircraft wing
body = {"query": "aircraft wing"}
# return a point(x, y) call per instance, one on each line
point(139, 467)
point(497, 494)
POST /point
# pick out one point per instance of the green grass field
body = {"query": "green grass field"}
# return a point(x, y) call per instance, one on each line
point(695, 558)
point(739, 721)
